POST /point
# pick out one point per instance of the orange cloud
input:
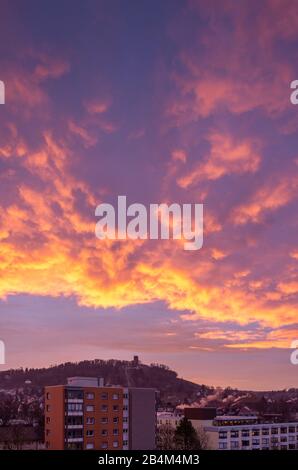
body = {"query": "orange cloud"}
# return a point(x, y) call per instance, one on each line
point(280, 338)
point(245, 73)
point(179, 155)
point(86, 137)
point(37, 245)
point(270, 197)
point(226, 156)
point(25, 86)
point(44, 253)
point(97, 106)
point(218, 254)
point(288, 288)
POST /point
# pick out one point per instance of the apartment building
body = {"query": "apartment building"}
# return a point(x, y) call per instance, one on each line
point(85, 414)
point(243, 432)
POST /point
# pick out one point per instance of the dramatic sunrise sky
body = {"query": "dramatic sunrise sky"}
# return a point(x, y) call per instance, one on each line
point(162, 101)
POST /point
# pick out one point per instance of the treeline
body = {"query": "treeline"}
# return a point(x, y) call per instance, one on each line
point(114, 372)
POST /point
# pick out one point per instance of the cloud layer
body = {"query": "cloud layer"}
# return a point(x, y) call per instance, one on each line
point(204, 118)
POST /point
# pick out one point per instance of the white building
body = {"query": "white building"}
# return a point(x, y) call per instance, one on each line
point(168, 418)
point(264, 436)
point(243, 432)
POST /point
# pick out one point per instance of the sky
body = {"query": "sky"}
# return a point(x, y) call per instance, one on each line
point(161, 101)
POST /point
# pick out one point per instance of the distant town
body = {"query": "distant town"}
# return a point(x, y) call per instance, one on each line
point(128, 405)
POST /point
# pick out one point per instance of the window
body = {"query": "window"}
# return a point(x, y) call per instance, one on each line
point(115, 408)
point(104, 396)
point(74, 394)
point(75, 445)
point(48, 396)
point(234, 433)
point(90, 420)
point(245, 433)
point(223, 434)
point(104, 420)
point(48, 420)
point(104, 407)
point(90, 445)
point(89, 433)
point(47, 445)
point(104, 432)
point(125, 420)
point(125, 431)
point(274, 431)
point(74, 407)
point(265, 432)
point(125, 408)
point(125, 443)
point(222, 445)
point(90, 396)
point(255, 432)
point(74, 420)
point(104, 445)
point(125, 395)
point(291, 428)
point(48, 432)
point(115, 444)
point(256, 442)
point(74, 433)
point(265, 441)
point(115, 396)
point(245, 443)
point(48, 408)
point(234, 445)
point(115, 420)
point(89, 408)
point(115, 432)
point(284, 430)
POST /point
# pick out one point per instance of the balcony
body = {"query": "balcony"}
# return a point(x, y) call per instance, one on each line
point(74, 400)
point(74, 439)
point(74, 426)
point(74, 413)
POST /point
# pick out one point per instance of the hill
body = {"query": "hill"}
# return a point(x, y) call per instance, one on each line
point(171, 389)
point(115, 372)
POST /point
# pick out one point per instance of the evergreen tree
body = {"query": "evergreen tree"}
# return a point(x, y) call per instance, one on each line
point(186, 437)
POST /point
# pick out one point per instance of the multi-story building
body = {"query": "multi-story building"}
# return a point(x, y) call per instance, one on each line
point(84, 414)
point(243, 432)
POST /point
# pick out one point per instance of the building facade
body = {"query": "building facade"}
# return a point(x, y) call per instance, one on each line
point(167, 418)
point(84, 414)
point(243, 432)
point(254, 436)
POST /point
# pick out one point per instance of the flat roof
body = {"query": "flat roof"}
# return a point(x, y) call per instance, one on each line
point(235, 417)
point(240, 427)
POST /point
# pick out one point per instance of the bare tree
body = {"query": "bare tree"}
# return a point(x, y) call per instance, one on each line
point(18, 436)
point(203, 438)
point(165, 437)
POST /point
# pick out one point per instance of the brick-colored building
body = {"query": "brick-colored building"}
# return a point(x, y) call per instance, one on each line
point(84, 414)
